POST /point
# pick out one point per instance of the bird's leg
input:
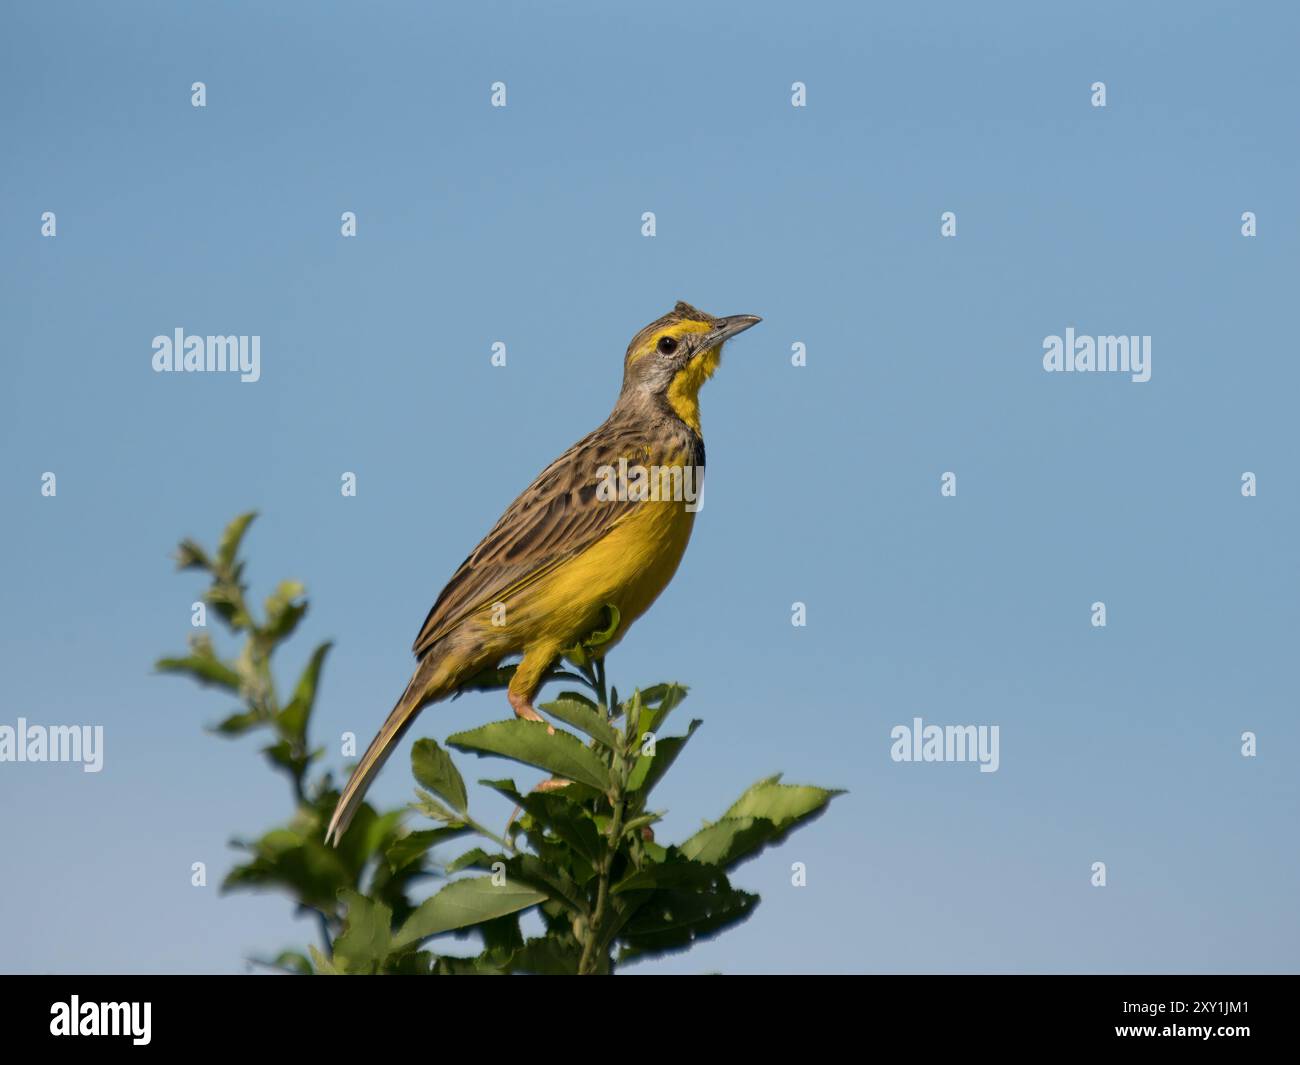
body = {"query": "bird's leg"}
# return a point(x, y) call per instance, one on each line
point(524, 686)
point(523, 708)
point(527, 681)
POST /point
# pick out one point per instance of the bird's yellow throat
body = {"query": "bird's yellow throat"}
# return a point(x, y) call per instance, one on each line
point(684, 392)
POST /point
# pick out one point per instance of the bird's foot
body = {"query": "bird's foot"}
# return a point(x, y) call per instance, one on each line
point(523, 708)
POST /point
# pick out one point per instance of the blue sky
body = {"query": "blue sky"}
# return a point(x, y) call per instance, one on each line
point(522, 225)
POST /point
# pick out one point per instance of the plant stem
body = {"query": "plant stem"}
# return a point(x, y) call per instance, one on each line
point(487, 833)
point(602, 690)
point(594, 950)
point(590, 962)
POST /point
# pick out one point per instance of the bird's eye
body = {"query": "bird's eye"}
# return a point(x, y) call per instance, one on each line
point(667, 345)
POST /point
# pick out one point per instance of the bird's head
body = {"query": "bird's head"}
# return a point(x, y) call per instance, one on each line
point(674, 355)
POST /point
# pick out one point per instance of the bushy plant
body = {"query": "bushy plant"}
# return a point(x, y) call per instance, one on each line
point(579, 849)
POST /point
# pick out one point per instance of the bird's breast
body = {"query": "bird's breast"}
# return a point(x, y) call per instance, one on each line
point(629, 566)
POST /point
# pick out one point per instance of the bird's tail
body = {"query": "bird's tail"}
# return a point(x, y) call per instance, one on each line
point(413, 700)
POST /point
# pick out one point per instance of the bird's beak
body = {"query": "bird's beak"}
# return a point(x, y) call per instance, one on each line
point(726, 328)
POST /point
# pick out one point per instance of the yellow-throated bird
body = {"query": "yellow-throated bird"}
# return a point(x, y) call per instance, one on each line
point(573, 542)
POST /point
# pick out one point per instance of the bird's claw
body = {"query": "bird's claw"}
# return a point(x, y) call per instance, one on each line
point(523, 708)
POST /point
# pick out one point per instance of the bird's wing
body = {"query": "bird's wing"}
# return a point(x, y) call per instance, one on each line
point(556, 517)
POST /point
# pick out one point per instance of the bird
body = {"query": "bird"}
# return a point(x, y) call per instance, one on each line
point(576, 542)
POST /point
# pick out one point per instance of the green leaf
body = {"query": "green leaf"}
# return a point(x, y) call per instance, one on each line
point(411, 963)
point(603, 636)
point(501, 936)
point(581, 653)
point(650, 768)
point(366, 937)
point(568, 820)
point(725, 842)
point(657, 702)
point(283, 611)
point(203, 665)
point(644, 821)
point(294, 717)
point(489, 963)
point(291, 757)
point(189, 555)
point(765, 814)
point(434, 769)
point(674, 873)
point(527, 870)
point(294, 962)
point(463, 903)
point(562, 754)
point(474, 858)
point(781, 802)
point(506, 788)
point(674, 920)
point(303, 866)
point(323, 964)
point(228, 546)
point(488, 680)
point(238, 723)
point(227, 599)
point(550, 956)
point(583, 718)
point(381, 832)
point(432, 808)
point(414, 845)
